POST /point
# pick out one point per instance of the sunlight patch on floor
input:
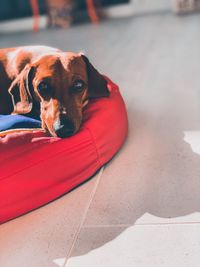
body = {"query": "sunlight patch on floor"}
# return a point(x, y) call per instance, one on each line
point(141, 246)
point(193, 139)
point(59, 262)
point(102, 256)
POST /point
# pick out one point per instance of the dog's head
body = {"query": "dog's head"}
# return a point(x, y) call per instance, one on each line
point(62, 83)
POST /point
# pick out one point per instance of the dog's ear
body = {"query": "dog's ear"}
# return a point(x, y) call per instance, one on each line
point(97, 85)
point(20, 91)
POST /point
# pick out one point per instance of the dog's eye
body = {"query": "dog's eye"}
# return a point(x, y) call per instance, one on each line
point(78, 86)
point(44, 89)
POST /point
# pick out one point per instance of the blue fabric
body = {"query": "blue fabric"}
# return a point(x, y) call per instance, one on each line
point(8, 122)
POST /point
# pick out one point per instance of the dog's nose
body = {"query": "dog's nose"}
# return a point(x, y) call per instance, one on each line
point(64, 127)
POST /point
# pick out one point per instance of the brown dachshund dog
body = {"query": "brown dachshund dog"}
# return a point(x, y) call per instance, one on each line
point(46, 82)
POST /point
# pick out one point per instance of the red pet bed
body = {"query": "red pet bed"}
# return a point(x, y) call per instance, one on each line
point(35, 169)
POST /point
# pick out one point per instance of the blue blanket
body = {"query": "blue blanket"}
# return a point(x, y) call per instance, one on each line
point(9, 122)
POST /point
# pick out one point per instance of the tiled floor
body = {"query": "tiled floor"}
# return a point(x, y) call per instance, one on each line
point(142, 209)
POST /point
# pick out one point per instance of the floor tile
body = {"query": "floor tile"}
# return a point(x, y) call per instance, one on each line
point(155, 173)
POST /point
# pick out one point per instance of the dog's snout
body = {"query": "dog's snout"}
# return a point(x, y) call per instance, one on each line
point(64, 127)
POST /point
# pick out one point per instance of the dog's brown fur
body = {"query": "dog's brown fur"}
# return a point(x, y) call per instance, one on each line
point(58, 75)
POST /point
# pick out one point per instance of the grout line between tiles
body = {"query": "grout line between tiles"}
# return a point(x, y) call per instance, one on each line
point(84, 215)
point(137, 224)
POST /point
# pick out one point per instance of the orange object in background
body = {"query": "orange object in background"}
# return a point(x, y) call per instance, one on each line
point(92, 11)
point(36, 13)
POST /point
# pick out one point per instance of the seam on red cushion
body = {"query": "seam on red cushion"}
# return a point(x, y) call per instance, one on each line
point(95, 146)
point(40, 161)
point(26, 150)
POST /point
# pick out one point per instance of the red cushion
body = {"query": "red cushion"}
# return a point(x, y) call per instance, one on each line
point(35, 169)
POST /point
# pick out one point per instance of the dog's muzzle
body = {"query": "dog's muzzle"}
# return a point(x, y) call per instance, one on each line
point(64, 127)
